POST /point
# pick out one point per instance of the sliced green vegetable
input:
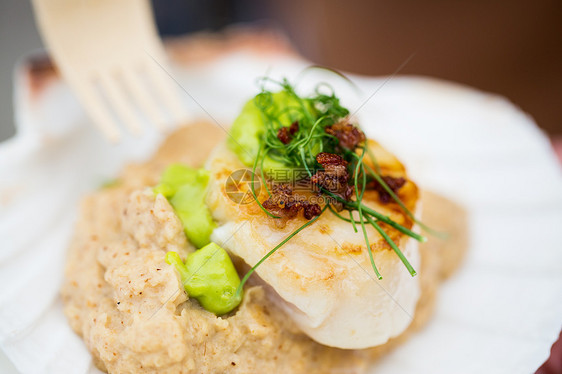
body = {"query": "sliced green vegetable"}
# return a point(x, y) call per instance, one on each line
point(185, 188)
point(209, 276)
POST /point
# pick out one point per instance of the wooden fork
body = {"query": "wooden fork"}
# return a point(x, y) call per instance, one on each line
point(110, 54)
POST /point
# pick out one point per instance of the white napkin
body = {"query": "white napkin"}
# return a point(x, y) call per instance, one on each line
point(499, 314)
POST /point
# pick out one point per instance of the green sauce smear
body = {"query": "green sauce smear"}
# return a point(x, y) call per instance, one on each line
point(208, 274)
point(185, 188)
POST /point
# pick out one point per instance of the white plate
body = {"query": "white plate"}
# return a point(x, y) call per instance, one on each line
point(499, 314)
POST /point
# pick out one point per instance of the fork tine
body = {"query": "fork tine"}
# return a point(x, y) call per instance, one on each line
point(96, 109)
point(165, 85)
point(120, 104)
point(146, 103)
point(81, 47)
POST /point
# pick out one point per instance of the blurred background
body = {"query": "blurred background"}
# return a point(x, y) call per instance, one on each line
point(513, 47)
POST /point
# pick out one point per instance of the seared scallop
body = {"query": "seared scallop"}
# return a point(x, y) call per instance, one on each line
point(322, 277)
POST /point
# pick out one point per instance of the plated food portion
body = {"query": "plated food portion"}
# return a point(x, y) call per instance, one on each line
point(290, 244)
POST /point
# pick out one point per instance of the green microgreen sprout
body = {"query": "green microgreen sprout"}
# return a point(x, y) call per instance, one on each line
point(359, 197)
point(351, 220)
point(407, 211)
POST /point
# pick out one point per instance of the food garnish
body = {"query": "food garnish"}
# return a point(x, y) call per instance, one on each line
point(209, 276)
point(185, 189)
point(284, 131)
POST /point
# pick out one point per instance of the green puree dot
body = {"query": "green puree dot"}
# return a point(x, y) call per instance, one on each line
point(209, 276)
point(185, 188)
